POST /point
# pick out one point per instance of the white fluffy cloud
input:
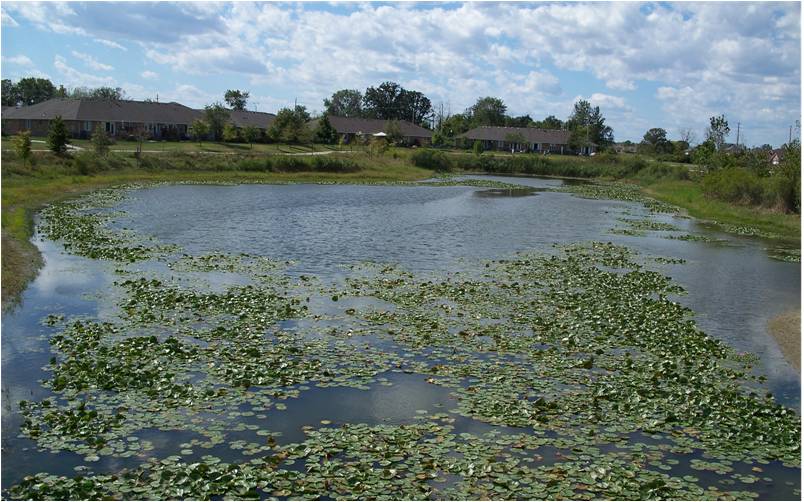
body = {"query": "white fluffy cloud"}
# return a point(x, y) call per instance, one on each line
point(691, 59)
point(91, 62)
point(20, 60)
point(75, 78)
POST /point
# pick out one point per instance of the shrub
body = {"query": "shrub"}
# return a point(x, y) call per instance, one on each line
point(431, 159)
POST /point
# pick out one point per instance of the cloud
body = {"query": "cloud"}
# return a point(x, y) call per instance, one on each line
point(76, 78)
point(149, 74)
point(7, 20)
point(92, 62)
point(20, 60)
point(608, 101)
point(109, 43)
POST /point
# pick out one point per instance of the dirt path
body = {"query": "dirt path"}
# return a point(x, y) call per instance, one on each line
point(786, 329)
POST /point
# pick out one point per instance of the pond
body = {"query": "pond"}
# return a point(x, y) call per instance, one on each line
point(402, 341)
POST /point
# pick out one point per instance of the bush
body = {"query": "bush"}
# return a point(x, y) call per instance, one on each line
point(744, 187)
point(431, 159)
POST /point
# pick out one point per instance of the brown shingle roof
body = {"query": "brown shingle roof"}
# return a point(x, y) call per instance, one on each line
point(256, 119)
point(127, 111)
point(352, 125)
point(531, 134)
point(106, 110)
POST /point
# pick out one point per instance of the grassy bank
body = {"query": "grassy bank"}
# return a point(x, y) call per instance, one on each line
point(27, 188)
point(689, 195)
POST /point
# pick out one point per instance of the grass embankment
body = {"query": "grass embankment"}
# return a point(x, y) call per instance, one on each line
point(27, 188)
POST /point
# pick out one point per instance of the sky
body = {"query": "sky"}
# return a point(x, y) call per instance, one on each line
point(668, 65)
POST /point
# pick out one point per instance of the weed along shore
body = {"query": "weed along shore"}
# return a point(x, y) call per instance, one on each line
point(374, 329)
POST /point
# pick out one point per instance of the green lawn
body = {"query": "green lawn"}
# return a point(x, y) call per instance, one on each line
point(187, 146)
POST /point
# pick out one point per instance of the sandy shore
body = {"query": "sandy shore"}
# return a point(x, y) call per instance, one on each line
point(786, 329)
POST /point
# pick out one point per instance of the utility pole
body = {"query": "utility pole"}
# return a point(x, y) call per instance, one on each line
point(738, 134)
point(790, 136)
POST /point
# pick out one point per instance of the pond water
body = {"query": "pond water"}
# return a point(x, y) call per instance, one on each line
point(325, 233)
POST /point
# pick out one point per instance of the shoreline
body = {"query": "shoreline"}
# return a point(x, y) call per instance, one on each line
point(785, 328)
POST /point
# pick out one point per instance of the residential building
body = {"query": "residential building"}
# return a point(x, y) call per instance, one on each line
point(350, 127)
point(520, 139)
point(119, 118)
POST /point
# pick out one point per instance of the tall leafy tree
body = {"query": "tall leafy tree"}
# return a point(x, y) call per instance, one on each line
point(216, 117)
point(325, 133)
point(521, 121)
point(290, 125)
point(236, 99)
point(718, 130)
point(414, 107)
point(230, 133)
point(550, 122)
point(57, 137)
point(382, 102)
point(31, 91)
point(107, 93)
point(656, 138)
point(10, 96)
point(588, 126)
point(344, 103)
point(488, 111)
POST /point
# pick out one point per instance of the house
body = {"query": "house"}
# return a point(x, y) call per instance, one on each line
point(520, 139)
point(775, 156)
point(350, 127)
point(625, 147)
point(119, 118)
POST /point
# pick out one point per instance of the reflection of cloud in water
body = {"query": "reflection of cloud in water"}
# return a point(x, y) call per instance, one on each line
point(66, 275)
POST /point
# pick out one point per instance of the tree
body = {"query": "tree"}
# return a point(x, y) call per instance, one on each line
point(344, 103)
point(455, 125)
point(108, 93)
point(382, 102)
point(230, 133)
point(10, 96)
point(549, 122)
point(656, 140)
point(325, 133)
point(521, 121)
point(414, 106)
point(588, 126)
point(514, 139)
point(216, 116)
point(477, 148)
point(100, 141)
point(22, 145)
point(30, 91)
point(290, 125)
point(236, 99)
point(487, 111)
point(688, 136)
point(718, 131)
point(199, 130)
point(393, 132)
point(438, 139)
point(57, 138)
point(251, 134)
point(704, 153)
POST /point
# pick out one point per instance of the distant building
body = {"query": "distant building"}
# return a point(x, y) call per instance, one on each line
point(625, 147)
point(529, 139)
point(119, 118)
point(350, 127)
point(776, 156)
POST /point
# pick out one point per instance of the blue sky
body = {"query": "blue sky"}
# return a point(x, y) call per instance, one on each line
point(669, 65)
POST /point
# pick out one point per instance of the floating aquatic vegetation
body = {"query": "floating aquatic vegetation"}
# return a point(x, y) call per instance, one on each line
point(584, 376)
point(618, 191)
